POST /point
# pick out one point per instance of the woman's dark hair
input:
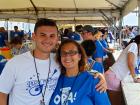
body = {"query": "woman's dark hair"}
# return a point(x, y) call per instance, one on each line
point(44, 22)
point(78, 28)
point(135, 40)
point(82, 62)
point(89, 46)
point(16, 40)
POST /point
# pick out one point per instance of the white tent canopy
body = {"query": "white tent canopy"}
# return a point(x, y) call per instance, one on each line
point(66, 11)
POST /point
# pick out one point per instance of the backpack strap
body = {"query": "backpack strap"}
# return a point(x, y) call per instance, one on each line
point(91, 65)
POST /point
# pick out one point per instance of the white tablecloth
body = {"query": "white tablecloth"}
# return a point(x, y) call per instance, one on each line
point(131, 91)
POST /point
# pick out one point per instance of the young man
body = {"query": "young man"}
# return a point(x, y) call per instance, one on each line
point(31, 78)
point(90, 33)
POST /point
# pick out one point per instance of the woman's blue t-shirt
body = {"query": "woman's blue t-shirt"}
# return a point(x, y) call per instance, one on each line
point(78, 90)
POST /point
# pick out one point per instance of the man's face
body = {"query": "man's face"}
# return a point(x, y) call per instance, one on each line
point(15, 28)
point(45, 38)
point(98, 35)
point(87, 35)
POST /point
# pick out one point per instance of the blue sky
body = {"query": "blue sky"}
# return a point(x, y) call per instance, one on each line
point(131, 19)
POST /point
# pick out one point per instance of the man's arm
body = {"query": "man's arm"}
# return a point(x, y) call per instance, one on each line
point(99, 60)
point(3, 99)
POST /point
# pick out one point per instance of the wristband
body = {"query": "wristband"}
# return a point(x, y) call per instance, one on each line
point(93, 71)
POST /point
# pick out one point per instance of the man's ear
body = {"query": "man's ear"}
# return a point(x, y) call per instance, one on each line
point(33, 36)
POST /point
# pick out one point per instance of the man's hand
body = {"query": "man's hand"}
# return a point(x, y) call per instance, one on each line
point(101, 86)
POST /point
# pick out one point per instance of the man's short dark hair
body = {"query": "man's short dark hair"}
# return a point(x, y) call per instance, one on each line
point(15, 27)
point(44, 22)
point(79, 28)
point(89, 28)
point(16, 40)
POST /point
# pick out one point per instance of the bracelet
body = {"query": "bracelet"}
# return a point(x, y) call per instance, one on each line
point(136, 77)
point(93, 71)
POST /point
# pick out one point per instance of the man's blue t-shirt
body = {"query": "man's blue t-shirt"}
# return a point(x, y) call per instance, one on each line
point(74, 36)
point(96, 66)
point(2, 40)
point(78, 90)
point(104, 43)
point(99, 53)
point(17, 34)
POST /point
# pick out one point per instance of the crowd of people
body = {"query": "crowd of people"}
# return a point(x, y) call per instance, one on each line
point(72, 74)
point(32, 76)
point(17, 39)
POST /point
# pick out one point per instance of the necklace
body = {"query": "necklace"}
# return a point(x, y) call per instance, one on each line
point(72, 86)
point(42, 102)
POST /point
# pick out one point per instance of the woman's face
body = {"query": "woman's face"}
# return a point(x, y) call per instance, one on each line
point(98, 35)
point(70, 56)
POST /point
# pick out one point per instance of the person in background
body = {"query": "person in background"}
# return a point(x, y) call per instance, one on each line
point(90, 33)
point(111, 36)
point(16, 33)
point(3, 61)
point(135, 31)
point(90, 48)
point(74, 36)
point(105, 43)
point(78, 30)
point(31, 77)
point(2, 38)
point(125, 64)
point(75, 86)
point(108, 58)
point(17, 46)
point(26, 38)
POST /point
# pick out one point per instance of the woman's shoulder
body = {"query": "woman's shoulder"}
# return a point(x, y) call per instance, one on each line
point(133, 44)
point(132, 47)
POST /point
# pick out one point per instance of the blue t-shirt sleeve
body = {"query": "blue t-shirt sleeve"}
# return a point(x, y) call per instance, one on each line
point(98, 66)
point(97, 97)
point(99, 51)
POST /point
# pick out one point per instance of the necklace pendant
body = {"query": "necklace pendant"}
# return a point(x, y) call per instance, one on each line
point(42, 102)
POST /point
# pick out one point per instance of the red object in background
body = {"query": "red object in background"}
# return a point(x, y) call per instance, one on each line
point(4, 49)
point(6, 52)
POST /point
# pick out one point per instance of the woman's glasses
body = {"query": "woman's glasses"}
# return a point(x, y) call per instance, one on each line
point(70, 53)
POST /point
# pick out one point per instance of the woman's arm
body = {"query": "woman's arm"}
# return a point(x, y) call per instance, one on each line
point(130, 62)
point(3, 99)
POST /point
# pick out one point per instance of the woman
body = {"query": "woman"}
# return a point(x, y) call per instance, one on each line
point(90, 48)
point(17, 46)
point(126, 63)
point(75, 85)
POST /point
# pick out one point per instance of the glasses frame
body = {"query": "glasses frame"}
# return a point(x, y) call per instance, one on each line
point(70, 53)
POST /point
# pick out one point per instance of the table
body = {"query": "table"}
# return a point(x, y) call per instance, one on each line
point(131, 91)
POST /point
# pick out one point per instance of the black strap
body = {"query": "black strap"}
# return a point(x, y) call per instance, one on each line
point(43, 93)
